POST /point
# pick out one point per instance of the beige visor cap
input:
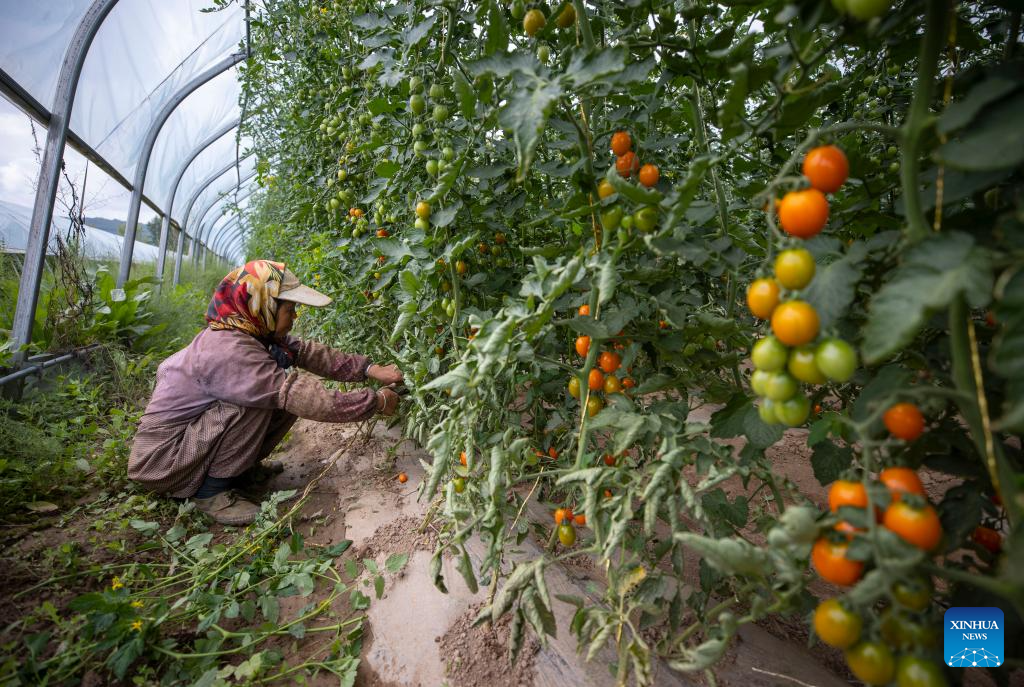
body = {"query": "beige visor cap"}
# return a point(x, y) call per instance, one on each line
point(293, 290)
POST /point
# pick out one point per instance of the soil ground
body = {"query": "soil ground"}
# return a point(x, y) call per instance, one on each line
point(415, 635)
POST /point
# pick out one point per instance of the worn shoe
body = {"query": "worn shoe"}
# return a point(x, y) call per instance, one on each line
point(263, 471)
point(228, 508)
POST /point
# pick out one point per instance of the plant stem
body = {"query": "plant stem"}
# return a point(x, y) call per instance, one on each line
point(919, 119)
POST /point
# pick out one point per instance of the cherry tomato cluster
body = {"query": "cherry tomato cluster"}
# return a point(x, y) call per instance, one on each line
point(565, 519)
point(627, 164)
point(902, 625)
point(600, 378)
point(788, 357)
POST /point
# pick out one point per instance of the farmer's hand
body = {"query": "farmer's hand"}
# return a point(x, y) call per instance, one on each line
point(387, 401)
point(385, 374)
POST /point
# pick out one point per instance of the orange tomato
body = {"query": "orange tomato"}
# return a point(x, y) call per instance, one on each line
point(584, 310)
point(901, 481)
point(596, 380)
point(559, 515)
point(829, 559)
point(803, 213)
point(847, 493)
point(763, 297)
point(609, 362)
point(580, 519)
point(621, 142)
point(627, 164)
point(607, 493)
point(462, 457)
point(648, 175)
point(552, 452)
point(988, 538)
point(917, 526)
point(628, 383)
point(847, 529)
point(826, 168)
point(383, 233)
point(904, 421)
point(795, 323)
point(605, 189)
point(582, 346)
point(403, 478)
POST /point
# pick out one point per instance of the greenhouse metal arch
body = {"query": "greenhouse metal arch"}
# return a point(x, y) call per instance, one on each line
point(96, 28)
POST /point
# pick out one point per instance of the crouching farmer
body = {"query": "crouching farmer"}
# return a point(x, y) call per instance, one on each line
point(223, 403)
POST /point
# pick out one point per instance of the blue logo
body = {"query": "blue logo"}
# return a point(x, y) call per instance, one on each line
point(973, 637)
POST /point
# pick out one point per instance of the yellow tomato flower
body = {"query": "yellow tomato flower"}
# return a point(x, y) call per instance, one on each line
point(137, 626)
point(137, 604)
point(116, 584)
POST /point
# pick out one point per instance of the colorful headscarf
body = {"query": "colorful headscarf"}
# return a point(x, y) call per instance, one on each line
point(246, 299)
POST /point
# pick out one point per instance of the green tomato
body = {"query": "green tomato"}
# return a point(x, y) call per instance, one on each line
point(867, 9)
point(440, 113)
point(417, 104)
point(836, 359)
point(418, 129)
point(518, 9)
point(436, 91)
point(914, 593)
point(766, 411)
point(459, 484)
point(432, 167)
point(769, 354)
point(421, 224)
point(801, 365)
point(335, 203)
point(611, 218)
point(419, 147)
point(781, 386)
point(627, 222)
point(543, 53)
point(415, 84)
point(793, 412)
point(759, 380)
point(342, 174)
point(645, 219)
point(913, 671)
point(448, 153)
point(883, 91)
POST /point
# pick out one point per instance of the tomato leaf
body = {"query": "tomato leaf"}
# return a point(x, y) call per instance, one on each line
point(834, 287)
point(933, 273)
point(829, 461)
point(525, 114)
point(739, 418)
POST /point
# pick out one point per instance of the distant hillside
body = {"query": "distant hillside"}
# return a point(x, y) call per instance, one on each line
point(111, 226)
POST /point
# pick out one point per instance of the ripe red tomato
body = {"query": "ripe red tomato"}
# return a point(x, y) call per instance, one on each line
point(609, 460)
point(609, 362)
point(621, 143)
point(988, 538)
point(829, 559)
point(904, 421)
point(628, 383)
point(826, 168)
point(596, 380)
point(762, 297)
point(803, 213)
point(552, 452)
point(847, 493)
point(901, 481)
point(917, 526)
point(648, 175)
point(582, 346)
point(627, 164)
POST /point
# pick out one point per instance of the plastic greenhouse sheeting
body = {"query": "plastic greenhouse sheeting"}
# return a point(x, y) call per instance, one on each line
point(225, 183)
point(97, 244)
point(144, 52)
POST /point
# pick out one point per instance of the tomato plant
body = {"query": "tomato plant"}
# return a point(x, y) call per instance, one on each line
point(795, 214)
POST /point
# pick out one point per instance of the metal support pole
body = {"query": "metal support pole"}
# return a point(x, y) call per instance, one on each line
point(147, 149)
point(205, 231)
point(197, 224)
point(164, 226)
point(49, 175)
point(217, 241)
point(188, 209)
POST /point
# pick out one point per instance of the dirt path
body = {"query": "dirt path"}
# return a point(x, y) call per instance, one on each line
point(419, 636)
